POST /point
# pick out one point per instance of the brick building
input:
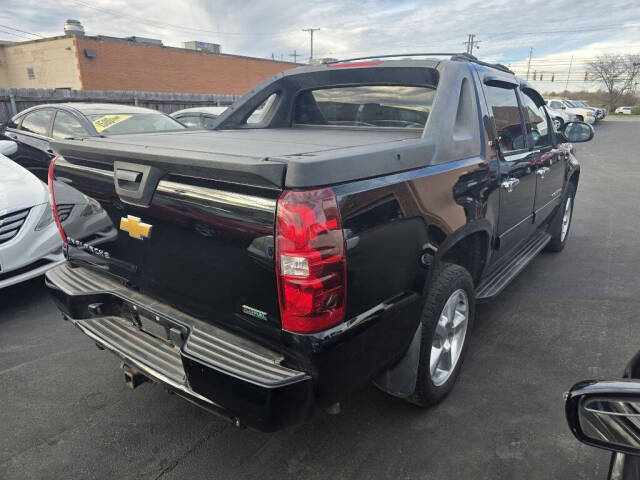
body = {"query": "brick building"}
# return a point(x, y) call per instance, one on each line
point(84, 62)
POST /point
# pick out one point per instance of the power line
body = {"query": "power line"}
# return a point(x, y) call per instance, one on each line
point(19, 35)
point(21, 31)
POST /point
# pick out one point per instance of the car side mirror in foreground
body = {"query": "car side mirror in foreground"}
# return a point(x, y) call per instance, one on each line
point(8, 147)
point(606, 414)
point(577, 132)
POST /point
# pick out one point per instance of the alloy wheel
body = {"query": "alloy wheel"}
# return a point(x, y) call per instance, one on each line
point(449, 337)
point(566, 219)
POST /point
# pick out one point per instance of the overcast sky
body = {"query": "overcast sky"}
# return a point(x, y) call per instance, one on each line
point(506, 29)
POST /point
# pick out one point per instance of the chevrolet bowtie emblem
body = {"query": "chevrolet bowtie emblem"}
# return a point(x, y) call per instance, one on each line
point(135, 227)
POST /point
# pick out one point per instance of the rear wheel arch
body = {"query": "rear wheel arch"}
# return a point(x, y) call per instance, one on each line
point(468, 249)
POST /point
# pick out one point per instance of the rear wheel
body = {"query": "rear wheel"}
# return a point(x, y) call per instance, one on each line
point(447, 319)
point(560, 226)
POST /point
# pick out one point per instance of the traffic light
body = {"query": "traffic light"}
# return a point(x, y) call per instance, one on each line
point(540, 76)
point(534, 75)
point(586, 76)
point(553, 77)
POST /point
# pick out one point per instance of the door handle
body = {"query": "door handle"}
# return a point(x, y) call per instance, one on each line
point(541, 172)
point(509, 184)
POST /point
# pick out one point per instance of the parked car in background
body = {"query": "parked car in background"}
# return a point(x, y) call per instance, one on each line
point(579, 104)
point(605, 414)
point(623, 110)
point(583, 114)
point(264, 272)
point(599, 111)
point(34, 128)
point(560, 117)
point(29, 240)
point(198, 117)
point(205, 117)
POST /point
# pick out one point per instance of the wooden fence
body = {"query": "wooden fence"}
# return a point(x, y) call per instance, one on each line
point(14, 100)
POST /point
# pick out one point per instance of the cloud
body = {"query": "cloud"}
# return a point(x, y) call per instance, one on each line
point(506, 30)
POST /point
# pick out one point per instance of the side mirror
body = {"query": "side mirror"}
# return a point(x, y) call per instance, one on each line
point(606, 414)
point(577, 132)
point(8, 147)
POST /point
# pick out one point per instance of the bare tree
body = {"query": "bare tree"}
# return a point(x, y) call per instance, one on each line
point(618, 73)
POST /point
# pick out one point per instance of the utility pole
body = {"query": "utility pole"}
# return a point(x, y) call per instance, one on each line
point(295, 56)
point(529, 64)
point(310, 30)
point(471, 43)
point(566, 86)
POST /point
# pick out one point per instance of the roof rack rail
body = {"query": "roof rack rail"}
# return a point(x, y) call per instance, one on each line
point(472, 58)
point(395, 55)
point(454, 56)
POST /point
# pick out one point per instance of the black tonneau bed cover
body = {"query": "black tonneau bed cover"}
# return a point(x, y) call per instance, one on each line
point(268, 157)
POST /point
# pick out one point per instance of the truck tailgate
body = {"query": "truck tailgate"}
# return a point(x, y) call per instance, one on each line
point(168, 230)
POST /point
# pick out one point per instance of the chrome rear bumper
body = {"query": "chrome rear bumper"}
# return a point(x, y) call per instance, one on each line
point(208, 365)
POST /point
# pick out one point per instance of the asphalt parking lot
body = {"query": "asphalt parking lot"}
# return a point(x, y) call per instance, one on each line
point(65, 412)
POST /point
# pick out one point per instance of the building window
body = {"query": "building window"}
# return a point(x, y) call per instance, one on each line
point(31, 74)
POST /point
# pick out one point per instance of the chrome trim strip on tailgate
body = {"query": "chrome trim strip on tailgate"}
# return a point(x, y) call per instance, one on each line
point(216, 197)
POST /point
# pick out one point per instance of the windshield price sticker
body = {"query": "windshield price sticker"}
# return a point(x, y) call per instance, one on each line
point(108, 121)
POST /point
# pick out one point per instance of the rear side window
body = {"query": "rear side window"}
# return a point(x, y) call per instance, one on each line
point(65, 125)
point(506, 113)
point(37, 122)
point(538, 131)
point(365, 106)
point(190, 121)
point(208, 121)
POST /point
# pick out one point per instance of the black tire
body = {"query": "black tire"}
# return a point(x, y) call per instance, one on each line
point(446, 281)
point(558, 242)
point(558, 123)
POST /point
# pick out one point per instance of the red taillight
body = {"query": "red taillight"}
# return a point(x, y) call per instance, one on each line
point(52, 199)
point(310, 261)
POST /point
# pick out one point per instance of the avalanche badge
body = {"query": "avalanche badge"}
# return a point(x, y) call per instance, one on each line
point(135, 227)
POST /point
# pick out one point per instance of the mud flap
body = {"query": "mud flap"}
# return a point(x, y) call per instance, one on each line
point(400, 380)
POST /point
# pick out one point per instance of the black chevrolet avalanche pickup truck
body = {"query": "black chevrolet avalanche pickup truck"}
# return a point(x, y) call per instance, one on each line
point(337, 227)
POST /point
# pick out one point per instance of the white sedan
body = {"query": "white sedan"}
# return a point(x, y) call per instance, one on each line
point(30, 243)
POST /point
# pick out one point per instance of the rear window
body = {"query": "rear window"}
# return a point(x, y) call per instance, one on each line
point(116, 123)
point(387, 106)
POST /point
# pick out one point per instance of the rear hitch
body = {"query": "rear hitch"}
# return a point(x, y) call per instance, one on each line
point(133, 378)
